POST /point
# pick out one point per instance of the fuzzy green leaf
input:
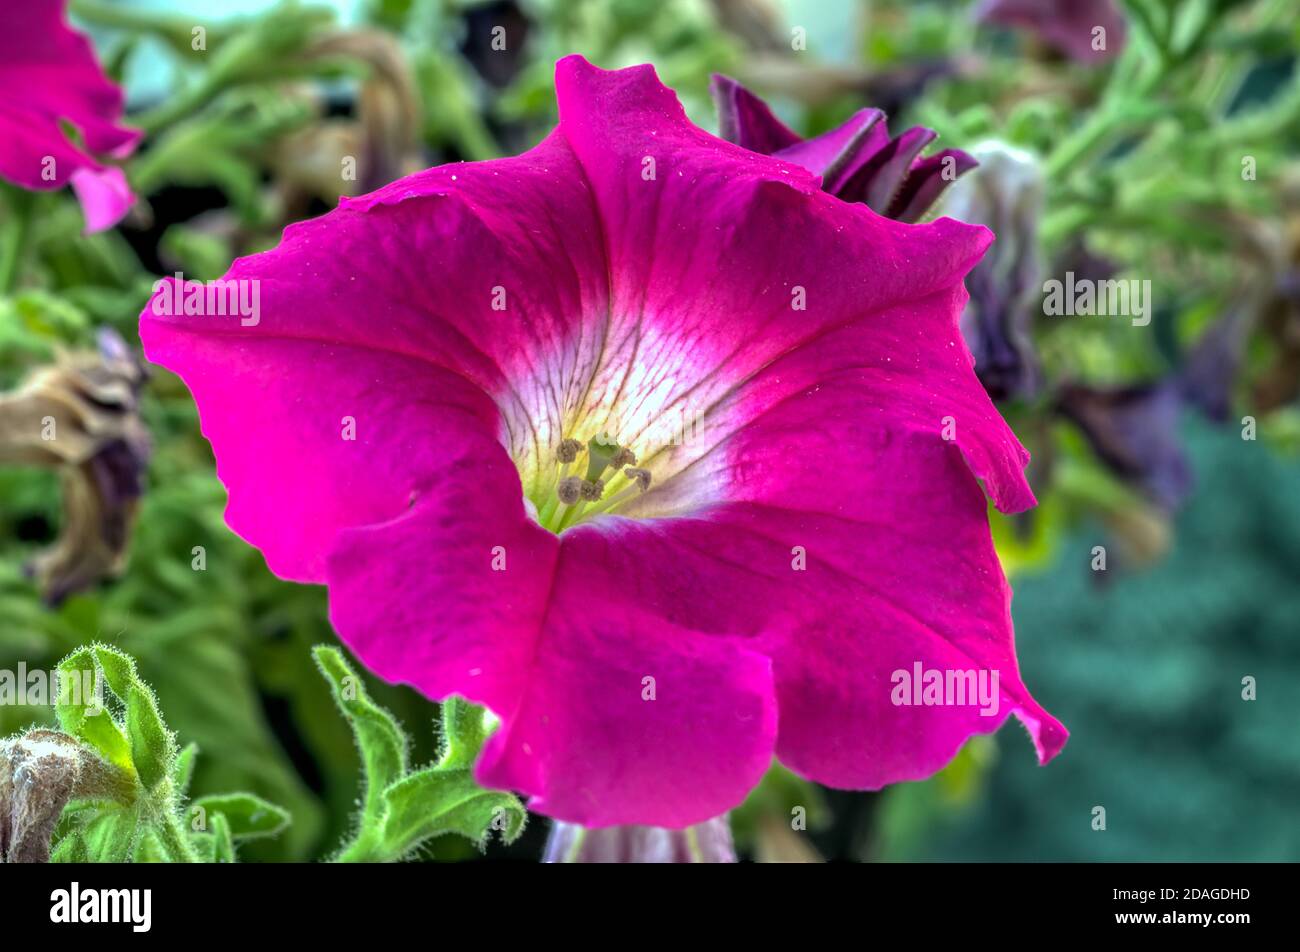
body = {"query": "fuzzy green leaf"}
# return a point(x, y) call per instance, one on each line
point(152, 746)
point(110, 836)
point(183, 769)
point(382, 743)
point(248, 816)
point(89, 722)
point(435, 801)
point(464, 730)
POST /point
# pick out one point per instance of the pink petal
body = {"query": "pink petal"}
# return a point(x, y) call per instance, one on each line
point(104, 196)
point(450, 596)
point(836, 154)
point(49, 75)
point(746, 120)
point(382, 311)
point(631, 717)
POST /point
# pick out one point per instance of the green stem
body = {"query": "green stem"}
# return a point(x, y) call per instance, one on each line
point(174, 839)
point(365, 848)
point(175, 30)
point(15, 236)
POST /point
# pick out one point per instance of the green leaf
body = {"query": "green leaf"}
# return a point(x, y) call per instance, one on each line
point(382, 743)
point(435, 801)
point(70, 849)
point(464, 729)
point(248, 816)
point(88, 722)
point(152, 745)
point(183, 769)
point(223, 844)
point(118, 669)
point(109, 837)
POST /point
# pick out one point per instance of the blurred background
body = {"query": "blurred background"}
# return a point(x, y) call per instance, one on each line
point(1157, 585)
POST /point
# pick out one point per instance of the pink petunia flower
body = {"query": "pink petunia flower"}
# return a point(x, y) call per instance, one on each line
point(858, 160)
point(743, 403)
point(48, 78)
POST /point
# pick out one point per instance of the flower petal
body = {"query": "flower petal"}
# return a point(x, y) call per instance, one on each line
point(630, 718)
point(451, 595)
point(378, 293)
point(724, 261)
point(837, 154)
point(926, 181)
point(48, 76)
point(842, 455)
point(104, 196)
point(746, 120)
point(482, 602)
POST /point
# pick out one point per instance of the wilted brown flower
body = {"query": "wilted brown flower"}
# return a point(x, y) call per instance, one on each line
point(380, 140)
point(80, 417)
point(40, 771)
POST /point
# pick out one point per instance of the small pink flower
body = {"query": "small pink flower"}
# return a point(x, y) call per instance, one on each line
point(49, 77)
point(744, 404)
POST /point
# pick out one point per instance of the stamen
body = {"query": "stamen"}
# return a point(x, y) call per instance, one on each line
point(569, 490)
point(642, 476)
point(641, 483)
point(568, 451)
point(573, 494)
point(566, 454)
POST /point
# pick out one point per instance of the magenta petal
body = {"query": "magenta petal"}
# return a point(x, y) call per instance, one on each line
point(878, 180)
point(561, 650)
point(631, 717)
point(104, 196)
point(49, 75)
point(835, 155)
point(450, 596)
point(281, 438)
point(926, 182)
point(746, 120)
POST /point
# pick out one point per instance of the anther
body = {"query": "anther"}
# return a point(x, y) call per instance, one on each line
point(591, 491)
point(568, 451)
point(569, 490)
point(641, 476)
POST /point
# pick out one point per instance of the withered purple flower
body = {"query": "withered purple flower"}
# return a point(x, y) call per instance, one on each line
point(80, 417)
point(1006, 194)
point(1084, 30)
point(1134, 431)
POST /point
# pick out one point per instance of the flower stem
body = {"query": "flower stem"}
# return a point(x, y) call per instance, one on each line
point(708, 842)
point(174, 840)
point(14, 237)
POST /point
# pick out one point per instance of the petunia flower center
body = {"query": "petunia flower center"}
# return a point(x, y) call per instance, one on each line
point(595, 478)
